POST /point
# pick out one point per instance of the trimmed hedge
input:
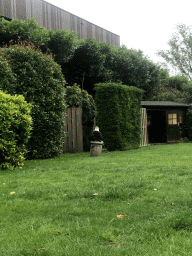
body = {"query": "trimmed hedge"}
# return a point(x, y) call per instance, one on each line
point(119, 117)
point(75, 97)
point(188, 124)
point(15, 127)
point(40, 80)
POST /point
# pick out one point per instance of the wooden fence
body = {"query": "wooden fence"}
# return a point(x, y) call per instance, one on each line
point(74, 131)
point(144, 135)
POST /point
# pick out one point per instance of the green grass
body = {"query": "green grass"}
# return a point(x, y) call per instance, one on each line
point(54, 212)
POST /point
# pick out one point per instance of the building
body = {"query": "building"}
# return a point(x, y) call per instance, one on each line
point(162, 121)
point(52, 17)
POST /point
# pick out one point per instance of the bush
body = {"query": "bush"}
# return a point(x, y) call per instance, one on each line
point(188, 123)
point(119, 117)
point(6, 76)
point(39, 79)
point(15, 127)
point(75, 97)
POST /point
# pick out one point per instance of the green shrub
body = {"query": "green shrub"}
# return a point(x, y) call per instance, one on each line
point(15, 127)
point(75, 97)
point(188, 123)
point(6, 76)
point(39, 79)
point(119, 118)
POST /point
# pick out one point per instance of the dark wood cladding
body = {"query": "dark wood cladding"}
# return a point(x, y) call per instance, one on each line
point(52, 17)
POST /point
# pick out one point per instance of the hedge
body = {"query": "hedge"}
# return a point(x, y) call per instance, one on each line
point(118, 115)
point(39, 79)
point(15, 130)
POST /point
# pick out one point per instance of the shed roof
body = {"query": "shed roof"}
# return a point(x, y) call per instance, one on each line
point(163, 104)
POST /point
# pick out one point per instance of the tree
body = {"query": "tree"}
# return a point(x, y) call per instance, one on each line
point(86, 66)
point(180, 53)
point(61, 42)
point(174, 88)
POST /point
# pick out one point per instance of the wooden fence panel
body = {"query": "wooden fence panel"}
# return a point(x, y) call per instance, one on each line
point(79, 129)
point(74, 131)
point(144, 135)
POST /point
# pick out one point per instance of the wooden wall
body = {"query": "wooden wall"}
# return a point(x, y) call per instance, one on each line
point(74, 131)
point(52, 17)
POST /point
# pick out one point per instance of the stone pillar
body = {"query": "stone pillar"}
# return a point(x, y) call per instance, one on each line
point(96, 148)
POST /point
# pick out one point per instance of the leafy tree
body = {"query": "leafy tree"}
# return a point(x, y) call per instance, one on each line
point(14, 31)
point(179, 55)
point(61, 42)
point(180, 83)
point(163, 93)
point(95, 62)
point(86, 65)
point(39, 79)
point(132, 68)
point(85, 62)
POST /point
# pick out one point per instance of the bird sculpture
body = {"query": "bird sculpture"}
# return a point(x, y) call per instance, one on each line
point(97, 134)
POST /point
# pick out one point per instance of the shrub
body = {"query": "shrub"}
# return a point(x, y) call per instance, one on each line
point(15, 127)
point(75, 97)
point(188, 123)
point(6, 76)
point(39, 79)
point(119, 117)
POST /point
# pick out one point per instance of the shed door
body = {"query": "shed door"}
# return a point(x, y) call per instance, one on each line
point(173, 126)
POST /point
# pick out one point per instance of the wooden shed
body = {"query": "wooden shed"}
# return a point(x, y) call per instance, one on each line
point(162, 122)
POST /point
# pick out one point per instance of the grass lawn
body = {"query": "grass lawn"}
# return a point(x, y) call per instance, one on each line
point(142, 205)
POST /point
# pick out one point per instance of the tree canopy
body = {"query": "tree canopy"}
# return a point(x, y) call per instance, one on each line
point(179, 55)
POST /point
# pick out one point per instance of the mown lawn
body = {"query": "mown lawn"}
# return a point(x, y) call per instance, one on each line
point(49, 206)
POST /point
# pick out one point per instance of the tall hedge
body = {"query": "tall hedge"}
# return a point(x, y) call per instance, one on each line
point(39, 79)
point(188, 123)
point(15, 129)
point(118, 115)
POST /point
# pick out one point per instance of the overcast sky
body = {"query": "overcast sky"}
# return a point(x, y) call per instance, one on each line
point(142, 24)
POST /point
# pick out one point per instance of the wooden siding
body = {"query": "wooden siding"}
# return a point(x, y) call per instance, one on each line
point(52, 17)
point(74, 131)
point(144, 137)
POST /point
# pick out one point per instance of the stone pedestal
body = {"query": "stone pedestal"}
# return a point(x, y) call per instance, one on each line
point(96, 148)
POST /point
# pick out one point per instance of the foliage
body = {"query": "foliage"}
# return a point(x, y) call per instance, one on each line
point(180, 83)
point(15, 127)
point(61, 42)
point(189, 123)
point(179, 53)
point(119, 115)
point(174, 88)
point(6, 76)
point(85, 62)
point(86, 65)
point(39, 79)
point(164, 93)
point(11, 32)
point(95, 62)
point(75, 97)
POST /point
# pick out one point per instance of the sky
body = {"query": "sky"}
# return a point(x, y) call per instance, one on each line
point(141, 24)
